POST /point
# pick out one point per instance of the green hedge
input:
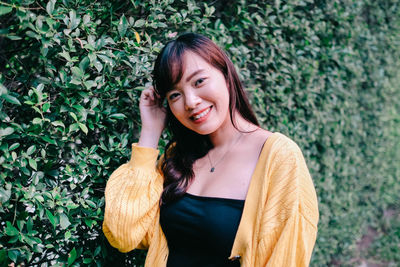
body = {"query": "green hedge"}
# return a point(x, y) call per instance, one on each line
point(325, 73)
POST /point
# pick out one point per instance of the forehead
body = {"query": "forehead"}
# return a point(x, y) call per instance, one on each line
point(192, 63)
point(192, 60)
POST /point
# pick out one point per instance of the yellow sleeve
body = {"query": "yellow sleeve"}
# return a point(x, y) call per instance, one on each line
point(132, 201)
point(290, 217)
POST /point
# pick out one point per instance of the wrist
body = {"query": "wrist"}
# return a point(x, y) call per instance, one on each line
point(149, 138)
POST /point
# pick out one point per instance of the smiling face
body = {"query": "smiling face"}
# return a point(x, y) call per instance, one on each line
point(200, 100)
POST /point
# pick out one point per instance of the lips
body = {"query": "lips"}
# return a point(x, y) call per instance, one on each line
point(201, 116)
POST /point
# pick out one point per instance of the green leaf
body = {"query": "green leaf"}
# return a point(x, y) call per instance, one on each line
point(37, 109)
point(50, 7)
point(89, 84)
point(51, 218)
point(87, 260)
point(65, 55)
point(11, 230)
point(49, 140)
point(73, 116)
point(29, 225)
point(83, 127)
point(32, 34)
point(122, 26)
point(97, 251)
point(46, 107)
point(58, 123)
point(64, 221)
point(5, 10)
point(14, 239)
point(94, 103)
point(13, 254)
point(73, 127)
point(72, 206)
point(6, 131)
point(39, 89)
point(31, 242)
point(84, 63)
point(107, 60)
point(74, 21)
point(31, 149)
point(91, 203)
point(77, 72)
point(14, 155)
point(39, 198)
point(32, 163)
point(140, 23)
point(3, 255)
point(159, 25)
point(67, 235)
point(89, 222)
point(97, 64)
point(117, 116)
point(13, 37)
point(37, 121)
point(3, 89)
point(13, 146)
point(4, 195)
point(71, 257)
point(20, 224)
point(11, 99)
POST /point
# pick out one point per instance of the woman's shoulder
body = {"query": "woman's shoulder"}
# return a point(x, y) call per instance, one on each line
point(264, 136)
point(257, 137)
point(276, 143)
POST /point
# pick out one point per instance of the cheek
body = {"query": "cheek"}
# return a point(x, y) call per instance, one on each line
point(173, 111)
point(224, 100)
point(176, 111)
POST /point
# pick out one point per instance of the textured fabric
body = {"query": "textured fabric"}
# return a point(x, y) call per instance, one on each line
point(200, 230)
point(279, 221)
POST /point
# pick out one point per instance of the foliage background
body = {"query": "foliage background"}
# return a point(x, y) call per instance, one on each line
point(325, 73)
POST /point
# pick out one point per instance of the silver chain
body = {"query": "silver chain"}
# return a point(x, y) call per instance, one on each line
point(215, 165)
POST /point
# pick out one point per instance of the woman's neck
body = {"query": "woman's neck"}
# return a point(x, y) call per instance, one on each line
point(228, 134)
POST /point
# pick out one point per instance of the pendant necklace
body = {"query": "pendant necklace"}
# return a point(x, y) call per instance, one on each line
point(223, 156)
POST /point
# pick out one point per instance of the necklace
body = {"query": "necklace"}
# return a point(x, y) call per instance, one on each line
point(223, 156)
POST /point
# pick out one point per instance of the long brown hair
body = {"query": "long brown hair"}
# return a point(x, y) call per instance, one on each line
point(186, 146)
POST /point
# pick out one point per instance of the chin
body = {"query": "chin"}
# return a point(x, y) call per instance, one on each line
point(205, 130)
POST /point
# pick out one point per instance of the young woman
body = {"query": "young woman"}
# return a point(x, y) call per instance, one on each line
point(225, 192)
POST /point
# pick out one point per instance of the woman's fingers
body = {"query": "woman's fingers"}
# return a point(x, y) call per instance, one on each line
point(148, 94)
point(151, 93)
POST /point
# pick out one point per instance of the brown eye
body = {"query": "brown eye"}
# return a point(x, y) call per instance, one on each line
point(173, 96)
point(199, 81)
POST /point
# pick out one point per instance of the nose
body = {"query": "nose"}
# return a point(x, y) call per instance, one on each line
point(191, 100)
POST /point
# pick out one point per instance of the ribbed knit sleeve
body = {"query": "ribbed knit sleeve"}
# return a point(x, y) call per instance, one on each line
point(131, 201)
point(290, 216)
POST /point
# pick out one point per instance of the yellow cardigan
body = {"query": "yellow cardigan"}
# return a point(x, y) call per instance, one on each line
point(279, 221)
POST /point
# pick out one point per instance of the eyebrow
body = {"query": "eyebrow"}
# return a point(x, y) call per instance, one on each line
point(193, 74)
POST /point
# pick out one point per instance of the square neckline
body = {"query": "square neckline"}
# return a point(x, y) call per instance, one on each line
point(251, 178)
point(213, 198)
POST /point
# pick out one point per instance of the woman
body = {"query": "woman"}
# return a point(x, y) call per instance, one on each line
point(226, 192)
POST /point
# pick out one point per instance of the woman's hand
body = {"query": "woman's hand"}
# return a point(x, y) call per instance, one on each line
point(153, 118)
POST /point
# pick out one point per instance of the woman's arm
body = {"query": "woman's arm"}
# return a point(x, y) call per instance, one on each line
point(290, 217)
point(133, 191)
point(132, 201)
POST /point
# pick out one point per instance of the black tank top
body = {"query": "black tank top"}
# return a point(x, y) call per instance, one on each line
point(200, 231)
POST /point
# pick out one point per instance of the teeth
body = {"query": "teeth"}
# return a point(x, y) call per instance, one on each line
point(201, 114)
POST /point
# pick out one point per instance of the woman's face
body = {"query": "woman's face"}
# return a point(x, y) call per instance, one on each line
point(200, 101)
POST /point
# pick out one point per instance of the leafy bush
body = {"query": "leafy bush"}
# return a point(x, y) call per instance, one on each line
point(323, 72)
